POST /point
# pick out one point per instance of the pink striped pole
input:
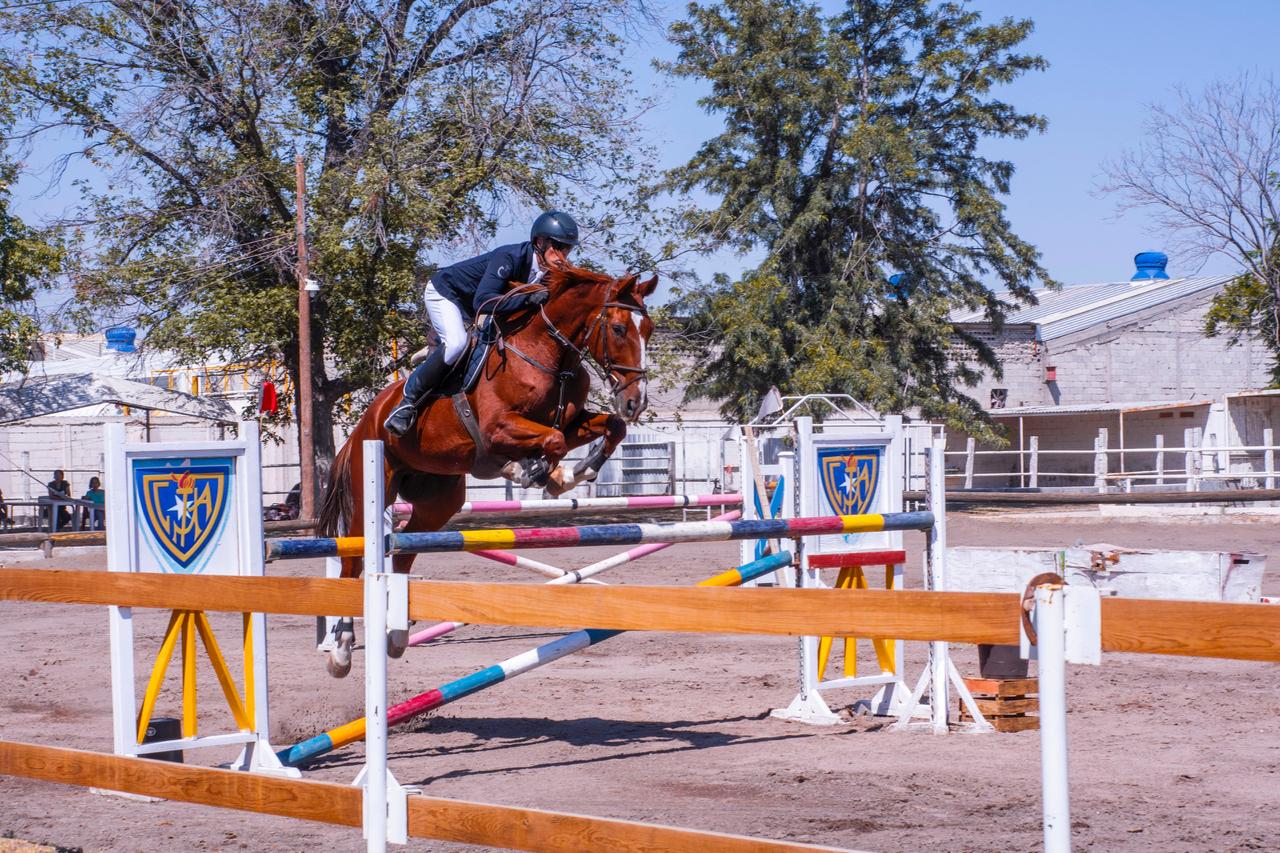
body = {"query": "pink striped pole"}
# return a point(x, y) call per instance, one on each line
point(440, 629)
point(560, 506)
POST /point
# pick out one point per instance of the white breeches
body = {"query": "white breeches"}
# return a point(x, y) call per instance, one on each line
point(447, 320)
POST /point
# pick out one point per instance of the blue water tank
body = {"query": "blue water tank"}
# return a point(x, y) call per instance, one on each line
point(1150, 265)
point(121, 339)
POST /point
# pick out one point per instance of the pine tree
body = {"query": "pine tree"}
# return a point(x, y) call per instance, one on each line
point(852, 158)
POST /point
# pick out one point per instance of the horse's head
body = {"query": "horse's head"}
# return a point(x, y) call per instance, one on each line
point(617, 329)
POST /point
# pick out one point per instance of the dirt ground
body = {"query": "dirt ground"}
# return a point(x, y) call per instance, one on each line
point(1166, 754)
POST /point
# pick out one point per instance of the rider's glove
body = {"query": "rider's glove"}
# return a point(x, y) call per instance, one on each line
point(537, 298)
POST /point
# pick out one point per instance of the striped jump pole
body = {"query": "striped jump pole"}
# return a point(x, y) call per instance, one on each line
point(511, 667)
point(560, 506)
point(566, 577)
point(504, 539)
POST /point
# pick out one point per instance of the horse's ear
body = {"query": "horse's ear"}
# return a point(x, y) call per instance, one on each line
point(645, 289)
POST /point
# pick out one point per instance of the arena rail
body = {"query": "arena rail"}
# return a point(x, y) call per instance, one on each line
point(436, 818)
point(1186, 628)
point(1142, 626)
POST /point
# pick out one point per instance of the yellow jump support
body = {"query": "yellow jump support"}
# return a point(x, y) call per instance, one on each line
point(187, 624)
point(853, 577)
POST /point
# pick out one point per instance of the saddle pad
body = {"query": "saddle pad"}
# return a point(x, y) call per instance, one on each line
point(465, 373)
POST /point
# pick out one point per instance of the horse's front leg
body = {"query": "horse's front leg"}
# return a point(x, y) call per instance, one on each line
point(584, 429)
point(516, 437)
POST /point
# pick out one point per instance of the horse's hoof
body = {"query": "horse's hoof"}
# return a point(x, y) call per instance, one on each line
point(397, 642)
point(336, 668)
point(536, 473)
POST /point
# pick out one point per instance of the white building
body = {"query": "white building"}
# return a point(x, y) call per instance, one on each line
point(1123, 364)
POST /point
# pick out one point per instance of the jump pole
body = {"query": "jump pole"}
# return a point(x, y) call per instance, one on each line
point(511, 667)
point(505, 539)
point(566, 577)
point(567, 506)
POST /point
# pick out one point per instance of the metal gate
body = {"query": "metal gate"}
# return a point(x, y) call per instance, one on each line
point(639, 467)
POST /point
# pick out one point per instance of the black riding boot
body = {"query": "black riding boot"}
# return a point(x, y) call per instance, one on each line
point(417, 388)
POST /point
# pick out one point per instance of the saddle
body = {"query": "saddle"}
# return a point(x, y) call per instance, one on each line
point(465, 372)
point(461, 379)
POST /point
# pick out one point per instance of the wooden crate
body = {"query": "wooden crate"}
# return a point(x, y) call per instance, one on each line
point(1005, 702)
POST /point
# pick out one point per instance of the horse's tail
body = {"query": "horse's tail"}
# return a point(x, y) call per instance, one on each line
point(335, 510)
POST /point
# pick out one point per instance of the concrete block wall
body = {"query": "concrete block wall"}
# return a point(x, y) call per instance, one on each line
point(1160, 355)
point(1022, 359)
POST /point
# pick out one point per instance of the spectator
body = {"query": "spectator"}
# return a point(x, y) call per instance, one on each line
point(95, 495)
point(4, 511)
point(59, 488)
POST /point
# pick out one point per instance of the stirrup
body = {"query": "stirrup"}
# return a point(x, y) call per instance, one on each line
point(393, 426)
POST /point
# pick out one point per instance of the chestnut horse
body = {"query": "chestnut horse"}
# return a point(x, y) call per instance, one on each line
point(530, 406)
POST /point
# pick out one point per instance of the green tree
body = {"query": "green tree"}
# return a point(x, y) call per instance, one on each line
point(29, 262)
point(422, 123)
point(852, 159)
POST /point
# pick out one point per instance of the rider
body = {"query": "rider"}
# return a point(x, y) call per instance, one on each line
point(469, 288)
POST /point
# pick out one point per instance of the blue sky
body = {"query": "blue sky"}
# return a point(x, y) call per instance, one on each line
point(1108, 62)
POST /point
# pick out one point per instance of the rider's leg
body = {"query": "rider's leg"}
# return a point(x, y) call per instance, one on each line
point(447, 320)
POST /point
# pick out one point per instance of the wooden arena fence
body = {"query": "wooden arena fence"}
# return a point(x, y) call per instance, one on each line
point(1201, 629)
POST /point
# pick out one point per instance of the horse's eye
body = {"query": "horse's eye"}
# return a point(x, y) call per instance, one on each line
point(620, 329)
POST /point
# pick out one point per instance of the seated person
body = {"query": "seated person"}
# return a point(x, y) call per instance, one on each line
point(98, 498)
point(60, 488)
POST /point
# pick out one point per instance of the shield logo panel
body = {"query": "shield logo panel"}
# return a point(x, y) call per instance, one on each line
point(182, 507)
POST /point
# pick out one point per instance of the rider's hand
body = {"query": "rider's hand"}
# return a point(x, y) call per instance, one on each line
point(538, 298)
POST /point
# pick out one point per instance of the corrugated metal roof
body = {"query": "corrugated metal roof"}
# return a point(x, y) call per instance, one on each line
point(1078, 307)
point(1097, 408)
point(36, 397)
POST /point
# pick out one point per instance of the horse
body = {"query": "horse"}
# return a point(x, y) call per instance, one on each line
point(530, 407)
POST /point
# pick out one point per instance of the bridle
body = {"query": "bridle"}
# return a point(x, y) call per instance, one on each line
point(606, 369)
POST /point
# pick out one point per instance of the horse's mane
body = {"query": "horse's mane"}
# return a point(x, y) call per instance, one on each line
point(569, 276)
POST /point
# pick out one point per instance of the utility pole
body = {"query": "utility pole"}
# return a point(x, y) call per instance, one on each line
point(306, 442)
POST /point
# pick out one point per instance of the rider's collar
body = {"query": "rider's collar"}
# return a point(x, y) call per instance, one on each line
point(536, 272)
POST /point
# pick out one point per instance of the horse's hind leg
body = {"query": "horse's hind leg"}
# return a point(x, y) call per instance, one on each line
point(337, 660)
point(436, 498)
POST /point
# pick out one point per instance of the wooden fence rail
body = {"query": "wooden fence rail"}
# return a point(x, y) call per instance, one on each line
point(1190, 628)
point(332, 803)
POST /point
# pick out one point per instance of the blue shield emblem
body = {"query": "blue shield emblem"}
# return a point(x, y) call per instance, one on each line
point(849, 476)
point(182, 507)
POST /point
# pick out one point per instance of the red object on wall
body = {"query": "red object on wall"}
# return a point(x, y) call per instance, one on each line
point(268, 401)
point(1050, 374)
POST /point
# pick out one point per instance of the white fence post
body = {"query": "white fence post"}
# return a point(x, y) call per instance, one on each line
point(1269, 458)
point(1033, 466)
point(1160, 459)
point(1189, 457)
point(1100, 460)
point(1051, 658)
point(936, 554)
point(969, 446)
point(376, 811)
point(1197, 460)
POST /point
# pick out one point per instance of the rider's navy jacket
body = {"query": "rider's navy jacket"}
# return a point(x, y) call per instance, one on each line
point(470, 284)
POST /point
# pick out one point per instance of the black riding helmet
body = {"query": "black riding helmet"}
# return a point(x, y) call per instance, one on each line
point(556, 226)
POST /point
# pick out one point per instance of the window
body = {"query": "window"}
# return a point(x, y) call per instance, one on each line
point(999, 398)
